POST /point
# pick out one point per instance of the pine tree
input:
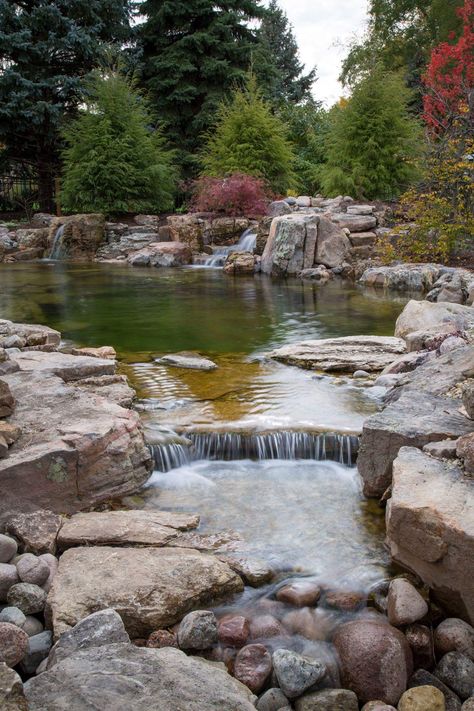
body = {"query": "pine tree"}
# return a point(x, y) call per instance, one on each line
point(47, 47)
point(373, 141)
point(249, 138)
point(276, 60)
point(114, 160)
point(193, 53)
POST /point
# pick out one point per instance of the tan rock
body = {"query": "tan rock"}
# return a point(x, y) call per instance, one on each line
point(422, 315)
point(37, 530)
point(12, 697)
point(422, 698)
point(187, 229)
point(150, 588)
point(82, 235)
point(106, 352)
point(124, 528)
point(240, 263)
point(405, 604)
point(7, 401)
point(465, 451)
point(162, 254)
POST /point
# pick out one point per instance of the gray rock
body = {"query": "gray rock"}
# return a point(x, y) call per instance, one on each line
point(296, 673)
point(39, 647)
point(32, 626)
point(418, 315)
point(52, 563)
point(278, 208)
point(446, 449)
point(124, 677)
point(468, 399)
point(454, 635)
point(328, 700)
point(355, 223)
point(403, 277)
point(468, 705)
point(32, 569)
point(451, 343)
point(272, 700)
point(198, 630)
point(361, 374)
point(29, 598)
point(193, 361)
point(11, 690)
point(423, 678)
point(13, 615)
point(8, 548)
point(457, 671)
point(99, 629)
point(405, 604)
point(8, 577)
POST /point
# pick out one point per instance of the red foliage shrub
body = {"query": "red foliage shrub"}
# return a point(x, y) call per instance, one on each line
point(236, 195)
point(449, 77)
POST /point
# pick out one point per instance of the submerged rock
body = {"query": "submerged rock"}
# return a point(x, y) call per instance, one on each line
point(124, 677)
point(296, 673)
point(150, 588)
point(193, 361)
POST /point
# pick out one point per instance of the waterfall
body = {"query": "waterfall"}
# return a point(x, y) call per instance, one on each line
point(246, 243)
point(57, 247)
point(229, 446)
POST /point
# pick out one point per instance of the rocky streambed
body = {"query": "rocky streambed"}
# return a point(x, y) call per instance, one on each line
point(127, 606)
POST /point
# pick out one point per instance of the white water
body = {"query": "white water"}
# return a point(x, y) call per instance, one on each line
point(246, 243)
point(57, 246)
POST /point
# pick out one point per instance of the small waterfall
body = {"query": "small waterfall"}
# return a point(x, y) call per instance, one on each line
point(229, 446)
point(57, 247)
point(246, 243)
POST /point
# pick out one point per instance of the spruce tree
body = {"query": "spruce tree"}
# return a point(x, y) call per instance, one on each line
point(114, 161)
point(373, 141)
point(276, 60)
point(193, 53)
point(47, 47)
point(249, 138)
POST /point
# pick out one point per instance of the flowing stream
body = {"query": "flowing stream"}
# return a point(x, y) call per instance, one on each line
point(258, 449)
point(246, 243)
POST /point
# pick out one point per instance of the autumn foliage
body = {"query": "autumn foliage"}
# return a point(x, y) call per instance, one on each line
point(449, 77)
point(235, 195)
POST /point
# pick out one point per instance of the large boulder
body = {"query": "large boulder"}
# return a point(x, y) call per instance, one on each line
point(150, 588)
point(424, 315)
point(375, 658)
point(301, 241)
point(124, 677)
point(32, 335)
point(162, 254)
point(36, 238)
point(188, 230)
point(224, 230)
point(430, 526)
point(240, 263)
point(80, 236)
point(76, 448)
point(354, 222)
point(346, 354)
point(414, 420)
point(401, 277)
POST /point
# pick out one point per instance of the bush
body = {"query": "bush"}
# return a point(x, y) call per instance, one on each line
point(237, 195)
point(114, 160)
point(372, 142)
point(248, 138)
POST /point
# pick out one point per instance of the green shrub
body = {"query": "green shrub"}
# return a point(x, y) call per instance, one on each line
point(115, 160)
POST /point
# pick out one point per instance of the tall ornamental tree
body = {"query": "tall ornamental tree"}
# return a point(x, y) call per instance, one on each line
point(249, 138)
point(115, 160)
point(193, 52)
point(277, 64)
point(373, 141)
point(47, 47)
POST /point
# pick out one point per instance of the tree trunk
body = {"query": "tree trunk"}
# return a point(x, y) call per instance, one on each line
point(46, 188)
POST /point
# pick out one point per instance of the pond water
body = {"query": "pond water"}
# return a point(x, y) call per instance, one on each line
point(288, 508)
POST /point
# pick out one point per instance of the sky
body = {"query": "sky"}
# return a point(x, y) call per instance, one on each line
point(322, 28)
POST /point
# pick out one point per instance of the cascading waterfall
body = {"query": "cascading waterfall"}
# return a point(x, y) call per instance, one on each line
point(57, 246)
point(230, 446)
point(246, 243)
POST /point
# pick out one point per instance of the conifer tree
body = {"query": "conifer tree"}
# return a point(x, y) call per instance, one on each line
point(114, 161)
point(47, 47)
point(193, 52)
point(373, 141)
point(249, 138)
point(277, 65)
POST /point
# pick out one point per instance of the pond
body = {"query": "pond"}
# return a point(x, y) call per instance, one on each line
point(286, 506)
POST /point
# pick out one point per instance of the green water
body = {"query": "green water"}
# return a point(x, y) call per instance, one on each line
point(143, 310)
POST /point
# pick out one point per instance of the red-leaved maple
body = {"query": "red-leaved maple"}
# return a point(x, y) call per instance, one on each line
point(235, 195)
point(449, 77)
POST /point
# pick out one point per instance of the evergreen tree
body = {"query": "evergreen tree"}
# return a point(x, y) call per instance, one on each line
point(114, 160)
point(47, 47)
point(276, 60)
point(193, 52)
point(373, 141)
point(249, 138)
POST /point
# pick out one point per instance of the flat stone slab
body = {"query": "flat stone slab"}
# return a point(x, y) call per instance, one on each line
point(123, 677)
point(122, 528)
point(193, 361)
point(430, 526)
point(33, 334)
point(346, 354)
point(65, 366)
point(150, 588)
point(414, 420)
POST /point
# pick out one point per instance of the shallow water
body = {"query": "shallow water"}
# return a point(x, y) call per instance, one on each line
point(309, 515)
